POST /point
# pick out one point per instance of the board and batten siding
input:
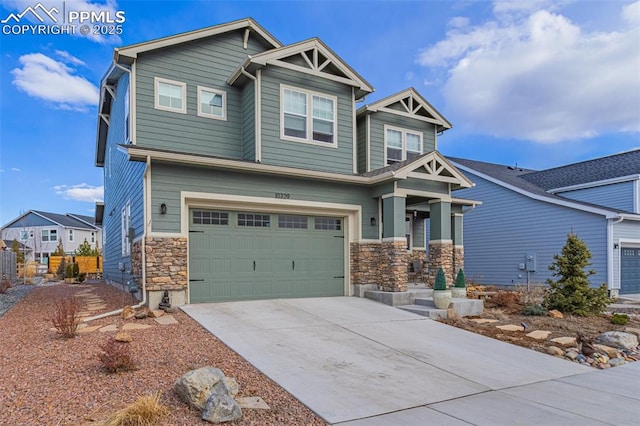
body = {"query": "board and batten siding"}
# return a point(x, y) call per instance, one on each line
point(627, 231)
point(499, 234)
point(616, 196)
point(123, 184)
point(208, 63)
point(361, 140)
point(377, 137)
point(300, 154)
point(168, 181)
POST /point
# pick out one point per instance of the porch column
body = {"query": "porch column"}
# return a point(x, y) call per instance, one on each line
point(393, 263)
point(458, 244)
point(440, 242)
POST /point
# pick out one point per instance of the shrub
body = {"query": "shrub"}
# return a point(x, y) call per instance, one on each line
point(460, 280)
point(534, 310)
point(619, 319)
point(147, 410)
point(5, 284)
point(571, 292)
point(82, 276)
point(61, 272)
point(506, 299)
point(68, 272)
point(66, 317)
point(441, 281)
point(116, 356)
point(76, 269)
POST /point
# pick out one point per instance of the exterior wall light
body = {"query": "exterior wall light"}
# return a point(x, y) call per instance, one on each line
point(163, 208)
point(373, 221)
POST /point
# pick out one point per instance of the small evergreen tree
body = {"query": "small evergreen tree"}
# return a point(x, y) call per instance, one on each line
point(84, 249)
point(571, 292)
point(460, 279)
point(59, 249)
point(61, 272)
point(441, 281)
point(15, 247)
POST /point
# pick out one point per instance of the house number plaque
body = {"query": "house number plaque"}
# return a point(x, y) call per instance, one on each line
point(283, 195)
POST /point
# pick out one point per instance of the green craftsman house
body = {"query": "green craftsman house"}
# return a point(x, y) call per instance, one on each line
point(239, 168)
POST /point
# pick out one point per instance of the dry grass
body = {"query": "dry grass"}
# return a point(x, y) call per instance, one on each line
point(146, 411)
point(66, 317)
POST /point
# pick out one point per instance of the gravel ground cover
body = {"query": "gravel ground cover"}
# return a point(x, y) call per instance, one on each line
point(49, 380)
point(12, 296)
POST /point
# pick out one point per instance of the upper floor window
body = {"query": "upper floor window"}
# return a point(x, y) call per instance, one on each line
point(308, 116)
point(93, 237)
point(49, 235)
point(401, 144)
point(212, 103)
point(171, 95)
point(70, 235)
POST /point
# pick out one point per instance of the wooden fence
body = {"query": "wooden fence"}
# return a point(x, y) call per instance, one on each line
point(8, 265)
point(87, 264)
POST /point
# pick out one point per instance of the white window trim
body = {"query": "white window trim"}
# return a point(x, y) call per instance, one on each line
point(309, 139)
point(222, 93)
point(125, 223)
point(156, 93)
point(404, 141)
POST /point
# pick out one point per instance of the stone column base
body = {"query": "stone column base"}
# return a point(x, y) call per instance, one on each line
point(383, 264)
point(441, 256)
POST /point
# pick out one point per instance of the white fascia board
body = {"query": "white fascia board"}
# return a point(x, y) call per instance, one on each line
point(594, 184)
point(606, 213)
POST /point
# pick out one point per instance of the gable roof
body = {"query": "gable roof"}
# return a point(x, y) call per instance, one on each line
point(514, 178)
point(623, 165)
point(313, 57)
point(126, 54)
point(66, 220)
point(408, 103)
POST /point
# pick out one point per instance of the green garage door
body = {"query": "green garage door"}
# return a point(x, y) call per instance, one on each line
point(630, 271)
point(247, 256)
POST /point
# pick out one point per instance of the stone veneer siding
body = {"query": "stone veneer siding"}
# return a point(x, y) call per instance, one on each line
point(416, 255)
point(441, 255)
point(383, 264)
point(458, 259)
point(166, 263)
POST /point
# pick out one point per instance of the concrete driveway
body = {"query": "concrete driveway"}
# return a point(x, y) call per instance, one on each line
point(354, 361)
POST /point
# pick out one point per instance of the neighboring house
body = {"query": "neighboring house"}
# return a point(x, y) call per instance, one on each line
point(239, 168)
point(41, 231)
point(526, 216)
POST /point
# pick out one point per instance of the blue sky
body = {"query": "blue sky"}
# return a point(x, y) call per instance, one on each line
point(538, 83)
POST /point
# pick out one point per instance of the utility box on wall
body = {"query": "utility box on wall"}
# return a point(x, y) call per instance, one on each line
point(531, 262)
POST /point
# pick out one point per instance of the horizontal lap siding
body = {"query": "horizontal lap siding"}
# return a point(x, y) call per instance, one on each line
point(123, 183)
point(380, 119)
point(168, 181)
point(615, 196)
point(507, 226)
point(298, 154)
point(207, 63)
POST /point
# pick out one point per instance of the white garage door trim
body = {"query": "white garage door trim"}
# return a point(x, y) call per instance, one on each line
point(351, 213)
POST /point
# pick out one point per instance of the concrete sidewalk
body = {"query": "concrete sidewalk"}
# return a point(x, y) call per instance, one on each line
point(354, 361)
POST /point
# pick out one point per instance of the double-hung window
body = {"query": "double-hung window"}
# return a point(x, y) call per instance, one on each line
point(308, 116)
point(125, 223)
point(212, 103)
point(401, 144)
point(170, 95)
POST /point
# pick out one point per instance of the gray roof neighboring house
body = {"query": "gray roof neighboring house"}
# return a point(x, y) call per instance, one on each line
point(67, 220)
point(526, 179)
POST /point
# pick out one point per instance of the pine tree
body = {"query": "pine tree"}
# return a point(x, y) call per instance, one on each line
point(571, 292)
point(59, 249)
point(84, 249)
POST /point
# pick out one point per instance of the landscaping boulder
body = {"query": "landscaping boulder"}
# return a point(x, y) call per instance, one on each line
point(128, 312)
point(221, 407)
point(195, 387)
point(618, 339)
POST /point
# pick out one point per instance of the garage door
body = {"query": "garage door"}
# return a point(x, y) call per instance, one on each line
point(630, 271)
point(247, 256)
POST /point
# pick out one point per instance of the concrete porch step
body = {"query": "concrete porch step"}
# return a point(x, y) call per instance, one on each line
point(462, 307)
point(426, 311)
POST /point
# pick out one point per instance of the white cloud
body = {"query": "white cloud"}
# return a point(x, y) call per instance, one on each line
point(70, 58)
point(458, 22)
point(110, 7)
point(45, 78)
point(631, 13)
point(536, 75)
point(15, 169)
point(81, 192)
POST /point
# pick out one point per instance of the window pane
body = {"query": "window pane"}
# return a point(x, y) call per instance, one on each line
point(394, 155)
point(323, 108)
point(394, 138)
point(322, 131)
point(328, 223)
point(295, 102)
point(295, 126)
point(53, 235)
point(292, 222)
point(211, 103)
point(170, 95)
point(413, 142)
point(256, 220)
point(45, 235)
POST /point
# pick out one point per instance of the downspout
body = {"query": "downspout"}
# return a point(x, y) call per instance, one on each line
point(258, 124)
point(144, 292)
point(610, 223)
